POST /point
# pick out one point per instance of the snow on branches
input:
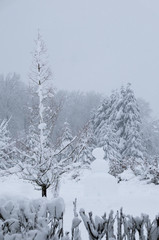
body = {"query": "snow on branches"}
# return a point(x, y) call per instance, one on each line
point(39, 158)
point(117, 126)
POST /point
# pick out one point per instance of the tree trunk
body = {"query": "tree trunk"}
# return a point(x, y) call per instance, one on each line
point(44, 191)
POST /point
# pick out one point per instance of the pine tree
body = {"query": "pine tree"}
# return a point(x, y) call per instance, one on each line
point(86, 146)
point(7, 148)
point(66, 141)
point(117, 127)
point(112, 112)
point(112, 151)
point(85, 156)
point(105, 128)
point(100, 118)
point(83, 152)
point(66, 148)
point(119, 119)
point(133, 150)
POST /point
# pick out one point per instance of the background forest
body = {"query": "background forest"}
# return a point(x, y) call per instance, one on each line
point(120, 123)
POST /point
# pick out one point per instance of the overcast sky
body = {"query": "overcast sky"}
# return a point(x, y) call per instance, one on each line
point(93, 44)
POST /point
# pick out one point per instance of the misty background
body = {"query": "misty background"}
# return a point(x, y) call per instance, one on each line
point(92, 45)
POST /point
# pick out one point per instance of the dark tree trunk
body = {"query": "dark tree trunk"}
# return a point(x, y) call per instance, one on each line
point(44, 191)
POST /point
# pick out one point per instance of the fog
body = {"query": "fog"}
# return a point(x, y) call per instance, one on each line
point(92, 45)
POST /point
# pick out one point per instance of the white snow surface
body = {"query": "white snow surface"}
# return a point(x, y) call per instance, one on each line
point(97, 191)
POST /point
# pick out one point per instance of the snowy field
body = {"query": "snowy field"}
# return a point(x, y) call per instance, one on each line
point(97, 191)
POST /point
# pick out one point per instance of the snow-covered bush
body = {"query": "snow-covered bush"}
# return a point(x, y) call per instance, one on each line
point(152, 174)
point(100, 226)
point(36, 219)
point(42, 219)
point(76, 235)
point(151, 170)
point(120, 226)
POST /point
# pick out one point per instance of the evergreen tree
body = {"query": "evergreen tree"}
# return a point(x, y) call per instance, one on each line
point(67, 136)
point(112, 110)
point(117, 126)
point(119, 120)
point(105, 130)
point(83, 151)
point(66, 142)
point(133, 149)
point(7, 148)
point(112, 151)
point(100, 118)
point(84, 156)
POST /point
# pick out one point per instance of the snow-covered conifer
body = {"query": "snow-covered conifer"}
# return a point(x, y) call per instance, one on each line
point(105, 130)
point(133, 149)
point(65, 141)
point(7, 148)
point(112, 151)
point(117, 126)
point(84, 154)
point(100, 118)
point(119, 119)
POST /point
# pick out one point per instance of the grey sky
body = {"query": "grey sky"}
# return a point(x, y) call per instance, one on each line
point(93, 44)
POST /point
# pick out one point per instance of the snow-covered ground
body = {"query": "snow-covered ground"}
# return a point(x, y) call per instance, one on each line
point(97, 191)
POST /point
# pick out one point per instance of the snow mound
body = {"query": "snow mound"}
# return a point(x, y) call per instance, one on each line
point(127, 175)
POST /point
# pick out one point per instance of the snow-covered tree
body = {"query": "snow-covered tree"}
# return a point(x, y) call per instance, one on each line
point(84, 155)
point(105, 116)
point(133, 149)
point(110, 143)
point(117, 126)
point(7, 148)
point(119, 119)
point(66, 139)
point(67, 133)
point(100, 117)
point(39, 158)
point(104, 123)
point(85, 147)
